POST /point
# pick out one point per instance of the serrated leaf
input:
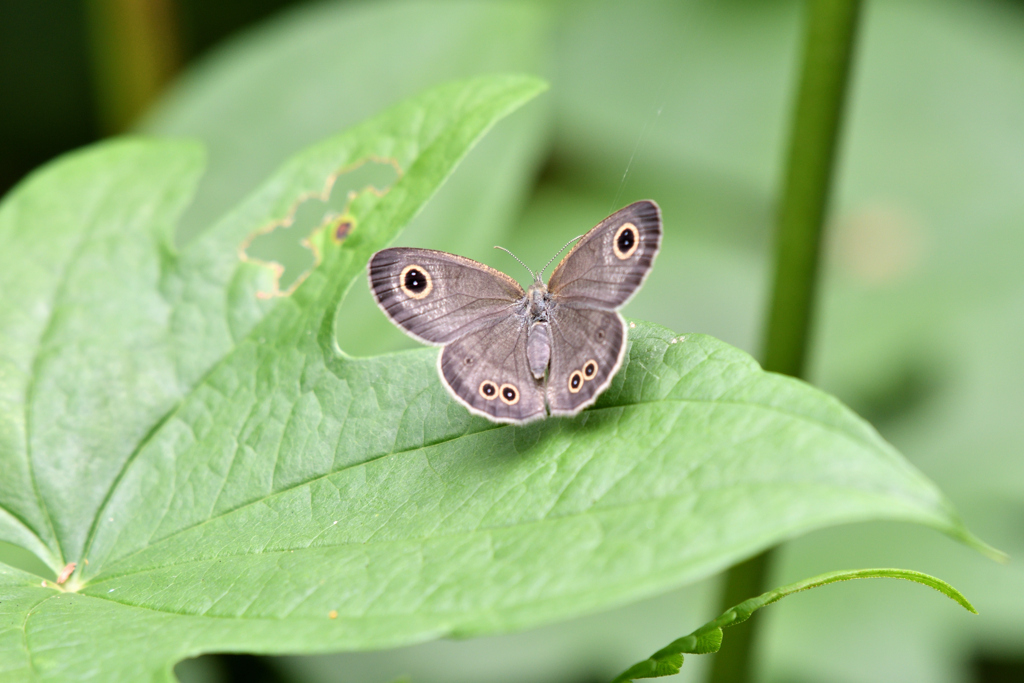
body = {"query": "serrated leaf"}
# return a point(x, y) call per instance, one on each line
point(290, 498)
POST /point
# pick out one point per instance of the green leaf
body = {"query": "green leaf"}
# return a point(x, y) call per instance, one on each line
point(106, 331)
point(708, 638)
point(226, 479)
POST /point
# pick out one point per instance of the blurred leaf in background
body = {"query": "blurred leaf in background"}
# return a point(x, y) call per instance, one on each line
point(920, 330)
point(923, 296)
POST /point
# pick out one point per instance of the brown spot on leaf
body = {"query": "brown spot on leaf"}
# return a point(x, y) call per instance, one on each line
point(342, 229)
point(65, 573)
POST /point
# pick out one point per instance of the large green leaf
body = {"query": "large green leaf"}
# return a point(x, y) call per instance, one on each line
point(105, 330)
point(227, 478)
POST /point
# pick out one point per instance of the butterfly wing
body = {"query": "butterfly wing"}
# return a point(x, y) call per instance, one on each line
point(477, 313)
point(587, 347)
point(438, 297)
point(480, 315)
point(588, 336)
point(609, 263)
point(487, 370)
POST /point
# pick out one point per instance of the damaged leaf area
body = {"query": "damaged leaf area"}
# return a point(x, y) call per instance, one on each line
point(293, 246)
point(207, 471)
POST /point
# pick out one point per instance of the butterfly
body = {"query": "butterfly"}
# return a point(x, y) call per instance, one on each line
point(512, 355)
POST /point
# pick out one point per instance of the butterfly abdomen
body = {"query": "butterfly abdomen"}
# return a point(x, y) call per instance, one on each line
point(538, 348)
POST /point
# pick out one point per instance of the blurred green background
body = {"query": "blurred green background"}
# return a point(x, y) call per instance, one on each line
point(920, 326)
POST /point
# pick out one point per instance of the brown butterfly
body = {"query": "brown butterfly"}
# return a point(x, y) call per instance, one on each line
point(513, 355)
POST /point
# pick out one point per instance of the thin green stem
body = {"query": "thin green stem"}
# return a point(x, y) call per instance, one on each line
point(813, 141)
point(828, 49)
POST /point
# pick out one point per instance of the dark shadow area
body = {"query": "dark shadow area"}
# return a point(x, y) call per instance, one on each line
point(990, 667)
point(905, 392)
point(47, 86)
point(204, 24)
point(224, 668)
point(261, 669)
point(46, 99)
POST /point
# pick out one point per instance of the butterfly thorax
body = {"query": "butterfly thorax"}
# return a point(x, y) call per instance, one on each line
point(538, 302)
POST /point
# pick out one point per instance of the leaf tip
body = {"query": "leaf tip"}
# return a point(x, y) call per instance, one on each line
point(964, 535)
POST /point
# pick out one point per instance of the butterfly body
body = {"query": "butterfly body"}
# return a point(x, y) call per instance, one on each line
point(513, 355)
point(538, 339)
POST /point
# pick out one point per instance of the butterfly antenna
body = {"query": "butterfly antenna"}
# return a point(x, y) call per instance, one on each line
point(517, 259)
point(558, 254)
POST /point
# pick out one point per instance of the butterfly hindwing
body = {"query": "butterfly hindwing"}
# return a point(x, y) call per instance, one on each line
point(587, 346)
point(488, 371)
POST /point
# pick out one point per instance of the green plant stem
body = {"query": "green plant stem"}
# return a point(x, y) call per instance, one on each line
point(708, 638)
point(828, 49)
point(813, 141)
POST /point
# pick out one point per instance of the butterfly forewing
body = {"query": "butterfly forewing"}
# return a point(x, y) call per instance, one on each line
point(438, 297)
point(610, 262)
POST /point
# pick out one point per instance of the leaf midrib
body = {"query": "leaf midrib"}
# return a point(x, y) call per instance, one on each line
point(414, 540)
point(59, 291)
point(298, 485)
